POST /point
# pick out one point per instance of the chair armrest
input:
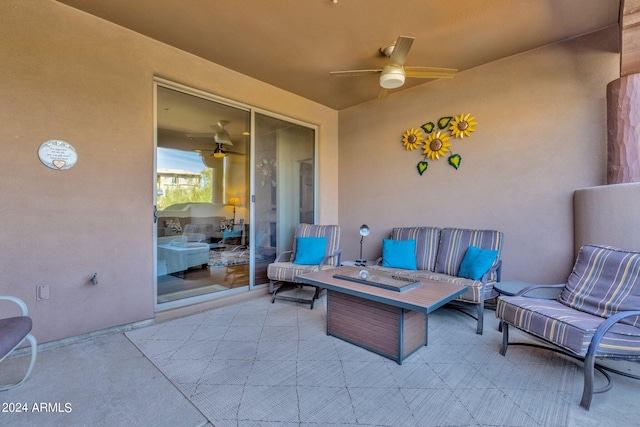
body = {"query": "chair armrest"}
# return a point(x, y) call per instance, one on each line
point(283, 256)
point(495, 268)
point(21, 304)
point(325, 260)
point(605, 326)
point(549, 291)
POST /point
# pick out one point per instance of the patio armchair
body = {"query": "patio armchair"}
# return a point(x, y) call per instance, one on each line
point(596, 314)
point(13, 332)
point(315, 247)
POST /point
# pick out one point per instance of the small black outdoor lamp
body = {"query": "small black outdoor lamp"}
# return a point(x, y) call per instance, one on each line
point(364, 231)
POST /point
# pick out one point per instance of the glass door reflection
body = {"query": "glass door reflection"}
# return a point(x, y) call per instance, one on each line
point(201, 196)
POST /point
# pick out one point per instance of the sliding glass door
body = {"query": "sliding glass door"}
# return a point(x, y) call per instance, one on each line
point(231, 185)
point(202, 196)
point(284, 185)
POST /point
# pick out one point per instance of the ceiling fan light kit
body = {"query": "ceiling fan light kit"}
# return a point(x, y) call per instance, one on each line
point(392, 77)
point(218, 153)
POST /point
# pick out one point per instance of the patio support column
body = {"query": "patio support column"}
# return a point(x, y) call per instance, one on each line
point(623, 130)
point(623, 102)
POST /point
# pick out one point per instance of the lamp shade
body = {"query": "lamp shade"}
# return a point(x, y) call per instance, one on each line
point(364, 230)
point(235, 201)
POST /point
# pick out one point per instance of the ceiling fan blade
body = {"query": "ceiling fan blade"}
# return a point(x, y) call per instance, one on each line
point(401, 50)
point(430, 72)
point(206, 135)
point(383, 93)
point(355, 72)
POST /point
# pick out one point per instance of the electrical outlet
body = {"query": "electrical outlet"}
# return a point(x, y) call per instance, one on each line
point(42, 292)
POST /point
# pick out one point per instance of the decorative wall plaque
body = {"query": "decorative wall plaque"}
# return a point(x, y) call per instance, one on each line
point(58, 155)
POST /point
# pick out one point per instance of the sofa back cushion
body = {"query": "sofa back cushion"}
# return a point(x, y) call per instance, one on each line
point(604, 281)
point(426, 238)
point(454, 243)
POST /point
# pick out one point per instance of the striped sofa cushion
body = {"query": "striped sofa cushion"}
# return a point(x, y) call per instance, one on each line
point(604, 281)
point(566, 327)
point(331, 232)
point(426, 238)
point(454, 243)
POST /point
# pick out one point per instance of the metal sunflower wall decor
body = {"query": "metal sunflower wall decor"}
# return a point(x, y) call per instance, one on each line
point(437, 143)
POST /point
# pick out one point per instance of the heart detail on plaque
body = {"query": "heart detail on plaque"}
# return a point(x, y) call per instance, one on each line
point(59, 163)
point(422, 166)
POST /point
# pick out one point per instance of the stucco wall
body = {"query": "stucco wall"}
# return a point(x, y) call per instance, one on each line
point(68, 75)
point(608, 215)
point(541, 135)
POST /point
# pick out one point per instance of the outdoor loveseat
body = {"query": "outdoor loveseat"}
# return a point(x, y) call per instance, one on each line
point(453, 255)
point(595, 315)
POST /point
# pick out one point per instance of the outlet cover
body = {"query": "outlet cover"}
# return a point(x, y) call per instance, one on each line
point(42, 292)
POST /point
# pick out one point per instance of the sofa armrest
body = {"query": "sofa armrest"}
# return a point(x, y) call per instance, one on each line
point(542, 291)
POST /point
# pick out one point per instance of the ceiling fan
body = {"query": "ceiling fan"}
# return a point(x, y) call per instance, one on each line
point(220, 137)
point(392, 75)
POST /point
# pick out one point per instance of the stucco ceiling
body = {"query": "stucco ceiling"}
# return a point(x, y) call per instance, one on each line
point(294, 44)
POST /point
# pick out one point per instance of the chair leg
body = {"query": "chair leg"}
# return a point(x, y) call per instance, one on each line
point(480, 318)
point(587, 392)
point(505, 337)
point(316, 295)
point(34, 353)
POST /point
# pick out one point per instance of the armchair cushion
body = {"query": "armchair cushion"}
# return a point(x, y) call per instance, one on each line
point(476, 262)
point(310, 250)
point(566, 327)
point(604, 281)
point(12, 332)
point(399, 254)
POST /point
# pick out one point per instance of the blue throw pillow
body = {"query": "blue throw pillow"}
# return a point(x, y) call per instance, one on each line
point(231, 233)
point(476, 262)
point(399, 254)
point(310, 250)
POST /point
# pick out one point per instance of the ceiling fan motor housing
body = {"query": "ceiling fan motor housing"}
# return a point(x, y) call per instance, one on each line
point(392, 77)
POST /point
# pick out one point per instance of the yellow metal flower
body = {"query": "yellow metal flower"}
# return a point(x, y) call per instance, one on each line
point(463, 125)
point(412, 139)
point(436, 145)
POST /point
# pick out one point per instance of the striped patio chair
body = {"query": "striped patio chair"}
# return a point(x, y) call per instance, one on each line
point(595, 316)
point(315, 247)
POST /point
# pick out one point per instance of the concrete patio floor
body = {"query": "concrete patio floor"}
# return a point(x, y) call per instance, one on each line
point(106, 381)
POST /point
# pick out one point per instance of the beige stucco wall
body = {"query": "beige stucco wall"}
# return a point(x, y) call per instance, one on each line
point(541, 135)
point(608, 215)
point(68, 75)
